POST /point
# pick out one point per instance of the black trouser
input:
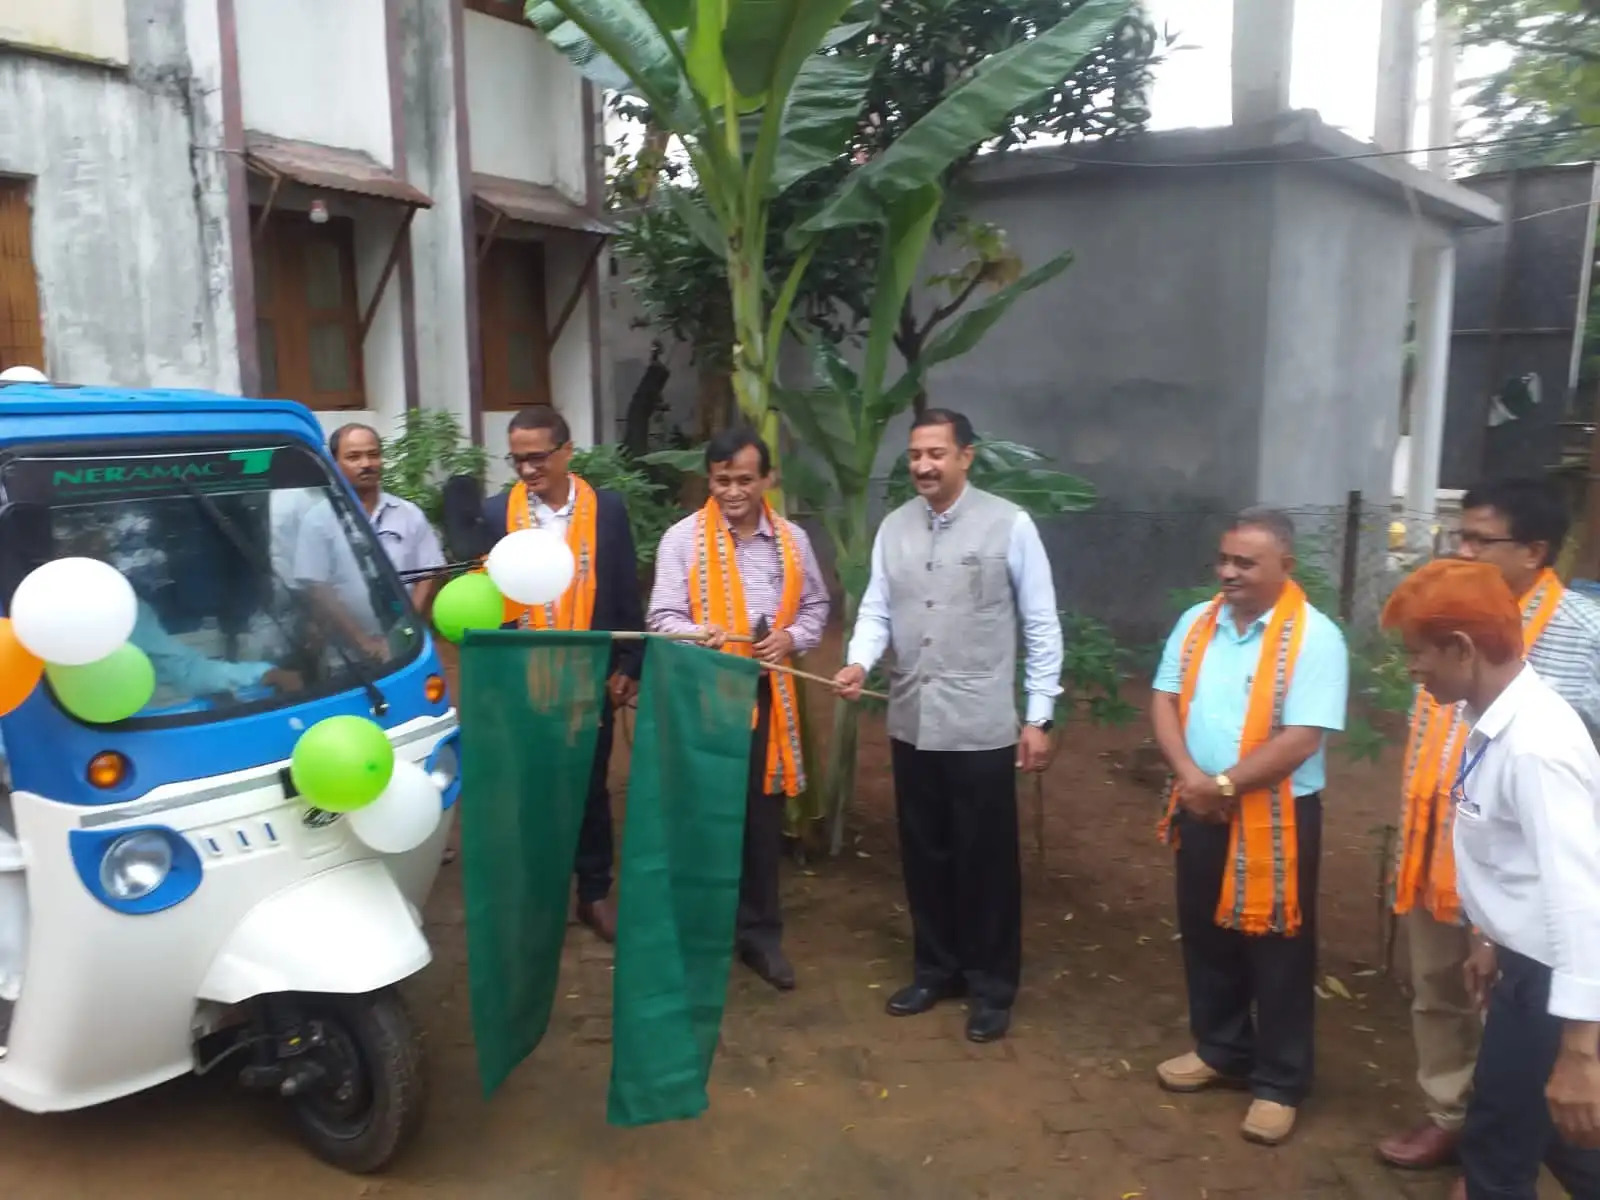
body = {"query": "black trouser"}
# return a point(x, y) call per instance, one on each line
point(760, 921)
point(958, 849)
point(596, 848)
point(1229, 971)
point(1509, 1133)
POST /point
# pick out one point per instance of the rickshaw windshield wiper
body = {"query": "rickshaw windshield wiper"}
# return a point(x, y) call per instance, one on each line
point(263, 563)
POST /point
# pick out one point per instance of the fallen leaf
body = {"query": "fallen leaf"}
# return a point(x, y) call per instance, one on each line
point(883, 1093)
point(874, 986)
point(1141, 940)
point(1123, 1063)
point(1369, 972)
point(1321, 995)
point(572, 995)
point(928, 1162)
point(809, 874)
point(1115, 978)
point(1363, 1029)
point(847, 1129)
point(862, 854)
point(1337, 987)
point(1068, 917)
point(1372, 1065)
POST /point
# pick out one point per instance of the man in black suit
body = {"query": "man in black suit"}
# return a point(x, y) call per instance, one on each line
point(604, 594)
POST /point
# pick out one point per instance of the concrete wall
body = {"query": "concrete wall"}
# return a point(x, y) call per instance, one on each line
point(130, 227)
point(94, 30)
point(316, 71)
point(525, 104)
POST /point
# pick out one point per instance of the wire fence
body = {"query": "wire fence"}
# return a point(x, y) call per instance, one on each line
point(1136, 568)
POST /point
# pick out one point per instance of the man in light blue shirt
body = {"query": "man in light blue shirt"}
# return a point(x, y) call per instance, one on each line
point(1232, 739)
point(959, 579)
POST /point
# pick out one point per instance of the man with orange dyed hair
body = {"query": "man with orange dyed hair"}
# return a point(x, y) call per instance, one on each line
point(1516, 526)
point(1526, 833)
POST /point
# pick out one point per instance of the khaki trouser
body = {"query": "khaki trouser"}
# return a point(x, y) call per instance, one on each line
point(1444, 1024)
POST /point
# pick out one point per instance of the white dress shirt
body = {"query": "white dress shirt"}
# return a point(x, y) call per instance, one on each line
point(1527, 839)
point(557, 519)
point(1035, 590)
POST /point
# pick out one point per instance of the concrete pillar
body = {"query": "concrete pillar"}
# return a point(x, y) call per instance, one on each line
point(1397, 75)
point(1263, 51)
point(1442, 104)
point(1435, 290)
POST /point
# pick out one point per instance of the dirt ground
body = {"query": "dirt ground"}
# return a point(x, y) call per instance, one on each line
point(818, 1094)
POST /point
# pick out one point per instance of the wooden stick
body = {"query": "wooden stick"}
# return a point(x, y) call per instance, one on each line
point(632, 636)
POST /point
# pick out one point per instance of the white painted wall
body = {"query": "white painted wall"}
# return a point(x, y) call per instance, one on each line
point(96, 30)
point(317, 71)
point(129, 223)
point(526, 107)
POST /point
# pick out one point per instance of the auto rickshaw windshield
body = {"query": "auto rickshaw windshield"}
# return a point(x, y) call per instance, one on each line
point(259, 582)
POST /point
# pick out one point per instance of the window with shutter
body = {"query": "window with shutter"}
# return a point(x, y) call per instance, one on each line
point(21, 333)
point(308, 322)
point(514, 326)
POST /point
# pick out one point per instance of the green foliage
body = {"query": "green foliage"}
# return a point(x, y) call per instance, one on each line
point(1094, 672)
point(430, 448)
point(651, 512)
point(1551, 81)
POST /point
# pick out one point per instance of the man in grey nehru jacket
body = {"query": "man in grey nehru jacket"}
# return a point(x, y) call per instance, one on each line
point(959, 578)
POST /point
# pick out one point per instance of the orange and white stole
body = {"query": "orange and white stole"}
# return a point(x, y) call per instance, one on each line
point(1425, 863)
point(716, 597)
point(574, 608)
point(1260, 885)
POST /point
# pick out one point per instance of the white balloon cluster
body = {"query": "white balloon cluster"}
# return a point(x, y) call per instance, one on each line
point(73, 611)
point(531, 566)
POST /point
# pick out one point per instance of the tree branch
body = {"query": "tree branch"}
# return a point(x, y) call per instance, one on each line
point(940, 315)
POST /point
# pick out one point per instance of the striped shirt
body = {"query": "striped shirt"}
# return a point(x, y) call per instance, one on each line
point(760, 573)
point(1567, 656)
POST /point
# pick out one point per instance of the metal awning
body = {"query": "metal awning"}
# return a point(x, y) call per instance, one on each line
point(534, 204)
point(328, 167)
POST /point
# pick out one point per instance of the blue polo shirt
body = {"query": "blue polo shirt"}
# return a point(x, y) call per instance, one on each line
point(1316, 698)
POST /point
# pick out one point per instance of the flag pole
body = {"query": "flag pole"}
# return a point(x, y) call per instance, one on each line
point(640, 635)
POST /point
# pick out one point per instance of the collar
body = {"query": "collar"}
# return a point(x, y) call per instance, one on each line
point(566, 508)
point(943, 520)
point(1225, 618)
point(763, 525)
point(386, 501)
point(1498, 715)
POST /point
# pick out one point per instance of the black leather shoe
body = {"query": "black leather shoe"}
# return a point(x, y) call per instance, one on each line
point(987, 1024)
point(771, 965)
point(919, 998)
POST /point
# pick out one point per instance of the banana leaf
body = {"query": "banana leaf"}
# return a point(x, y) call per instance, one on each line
point(766, 42)
point(968, 329)
point(1039, 492)
point(820, 116)
point(968, 116)
point(618, 45)
point(910, 225)
point(821, 418)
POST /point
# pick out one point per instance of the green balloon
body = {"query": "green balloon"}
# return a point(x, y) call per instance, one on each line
point(108, 689)
point(468, 602)
point(341, 764)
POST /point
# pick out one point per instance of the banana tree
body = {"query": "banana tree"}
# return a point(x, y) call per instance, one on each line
point(760, 97)
point(841, 421)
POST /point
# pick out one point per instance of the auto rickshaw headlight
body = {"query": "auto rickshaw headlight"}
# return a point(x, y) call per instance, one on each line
point(444, 768)
point(135, 865)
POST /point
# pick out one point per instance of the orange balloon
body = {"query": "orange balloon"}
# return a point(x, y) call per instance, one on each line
point(19, 670)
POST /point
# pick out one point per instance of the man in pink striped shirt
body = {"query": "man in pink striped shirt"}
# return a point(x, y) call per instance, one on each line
point(785, 608)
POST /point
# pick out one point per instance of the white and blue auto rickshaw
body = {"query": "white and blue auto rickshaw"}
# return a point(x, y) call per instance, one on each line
point(167, 903)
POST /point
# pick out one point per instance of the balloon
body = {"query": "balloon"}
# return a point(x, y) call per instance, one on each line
point(21, 374)
point(531, 566)
point(116, 687)
point(467, 602)
point(19, 669)
point(73, 611)
point(404, 815)
point(342, 763)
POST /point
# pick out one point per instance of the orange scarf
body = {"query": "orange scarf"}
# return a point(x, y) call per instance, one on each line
point(716, 597)
point(574, 608)
point(1260, 887)
point(1425, 863)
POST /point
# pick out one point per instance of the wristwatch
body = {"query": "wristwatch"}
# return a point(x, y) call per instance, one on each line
point(1225, 786)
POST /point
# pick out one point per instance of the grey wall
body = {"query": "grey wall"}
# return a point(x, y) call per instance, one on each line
point(130, 235)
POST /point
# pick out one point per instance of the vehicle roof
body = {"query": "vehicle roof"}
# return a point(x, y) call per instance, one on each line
point(50, 400)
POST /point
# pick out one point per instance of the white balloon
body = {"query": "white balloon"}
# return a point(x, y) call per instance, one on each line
point(404, 815)
point(531, 566)
point(73, 611)
point(21, 374)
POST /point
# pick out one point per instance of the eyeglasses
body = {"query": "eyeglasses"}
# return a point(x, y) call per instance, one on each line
point(1457, 539)
point(537, 459)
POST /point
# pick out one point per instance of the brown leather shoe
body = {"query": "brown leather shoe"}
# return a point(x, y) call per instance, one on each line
point(1268, 1123)
point(598, 916)
point(1420, 1149)
point(1189, 1073)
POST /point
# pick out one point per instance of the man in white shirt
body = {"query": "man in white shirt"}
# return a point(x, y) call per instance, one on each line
point(959, 579)
point(1527, 848)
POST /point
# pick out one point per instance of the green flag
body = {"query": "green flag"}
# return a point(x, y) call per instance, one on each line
point(530, 714)
point(682, 853)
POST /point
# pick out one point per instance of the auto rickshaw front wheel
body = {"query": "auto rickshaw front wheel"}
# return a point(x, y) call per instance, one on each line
point(354, 1072)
